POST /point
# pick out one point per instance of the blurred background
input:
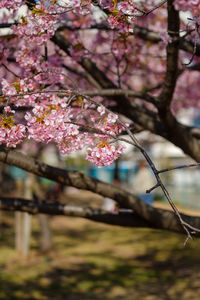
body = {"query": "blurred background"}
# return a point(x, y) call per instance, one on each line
point(57, 257)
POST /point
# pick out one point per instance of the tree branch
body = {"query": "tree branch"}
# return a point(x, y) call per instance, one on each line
point(120, 92)
point(122, 218)
point(169, 84)
point(158, 218)
point(7, 25)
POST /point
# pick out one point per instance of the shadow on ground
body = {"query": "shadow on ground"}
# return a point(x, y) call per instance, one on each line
point(92, 261)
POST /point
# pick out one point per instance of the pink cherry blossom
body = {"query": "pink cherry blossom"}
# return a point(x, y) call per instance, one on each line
point(104, 156)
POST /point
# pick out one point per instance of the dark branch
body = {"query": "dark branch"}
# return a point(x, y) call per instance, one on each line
point(125, 218)
point(120, 92)
point(7, 25)
point(166, 94)
point(122, 218)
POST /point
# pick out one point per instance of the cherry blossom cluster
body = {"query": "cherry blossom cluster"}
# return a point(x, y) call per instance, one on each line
point(109, 125)
point(17, 87)
point(37, 27)
point(104, 154)
point(51, 120)
point(122, 16)
point(11, 134)
point(55, 122)
point(50, 123)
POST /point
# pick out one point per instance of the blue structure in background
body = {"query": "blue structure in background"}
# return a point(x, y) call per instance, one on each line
point(106, 174)
point(17, 173)
point(147, 198)
point(126, 174)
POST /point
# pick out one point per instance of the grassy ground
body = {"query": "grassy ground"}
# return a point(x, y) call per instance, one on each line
point(95, 261)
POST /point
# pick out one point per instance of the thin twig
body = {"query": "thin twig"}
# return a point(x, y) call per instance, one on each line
point(178, 167)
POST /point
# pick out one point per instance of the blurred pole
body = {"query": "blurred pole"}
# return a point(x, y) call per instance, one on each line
point(46, 243)
point(26, 229)
point(18, 219)
point(18, 232)
point(45, 236)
